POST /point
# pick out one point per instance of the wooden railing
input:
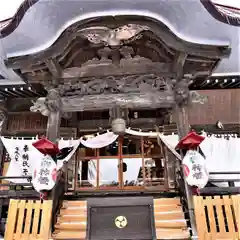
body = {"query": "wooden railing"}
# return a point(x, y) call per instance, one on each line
point(58, 192)
point(183, 196)
point(226, 190)
point(217, 217)
point(17, 190)
point(26, 190)
point(28, 219)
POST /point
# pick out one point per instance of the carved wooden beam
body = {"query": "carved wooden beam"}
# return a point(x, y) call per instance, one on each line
point(105, 69)
point(127, 100)
point(54, 68)
point(143, 123)
point(116, 84)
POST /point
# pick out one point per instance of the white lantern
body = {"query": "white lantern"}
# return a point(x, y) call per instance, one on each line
point(119, 126)
point(195, 170)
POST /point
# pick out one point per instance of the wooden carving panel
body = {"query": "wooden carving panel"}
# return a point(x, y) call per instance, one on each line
point(222, 105)
point(26, 121)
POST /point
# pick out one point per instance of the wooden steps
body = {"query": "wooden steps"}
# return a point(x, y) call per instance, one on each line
point(170, 222)
point(72, 221)
point(168, 214)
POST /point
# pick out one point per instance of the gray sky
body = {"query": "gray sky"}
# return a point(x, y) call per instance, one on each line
point(9, 7)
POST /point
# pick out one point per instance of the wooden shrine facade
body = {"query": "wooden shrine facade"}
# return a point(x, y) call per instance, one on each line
point(119, 65)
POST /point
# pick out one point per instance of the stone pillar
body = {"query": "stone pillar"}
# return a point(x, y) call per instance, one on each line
point(182, 99)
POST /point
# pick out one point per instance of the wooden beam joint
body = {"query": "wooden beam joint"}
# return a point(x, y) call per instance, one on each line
point(55, 69)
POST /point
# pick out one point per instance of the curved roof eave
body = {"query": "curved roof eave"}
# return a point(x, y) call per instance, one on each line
point(227, 14)
point(9, 77)
point(43, 23)
point(52, 17)
point(14, 20)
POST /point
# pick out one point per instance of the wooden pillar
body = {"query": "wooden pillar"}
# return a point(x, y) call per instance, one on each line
point(181, 113)
point(53, 126)
point(53, 103)
point(182, 120)
point(3, 126)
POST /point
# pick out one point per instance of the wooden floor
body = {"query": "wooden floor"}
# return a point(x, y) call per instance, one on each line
point(72, 221)
point(169, 219)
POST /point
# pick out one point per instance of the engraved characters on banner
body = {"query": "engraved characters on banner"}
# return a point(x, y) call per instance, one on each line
point(25, 161)
point(16, 154)
point(195, 169)
point(44, 173)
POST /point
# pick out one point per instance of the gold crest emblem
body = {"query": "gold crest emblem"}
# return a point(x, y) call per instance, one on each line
point(121, 222)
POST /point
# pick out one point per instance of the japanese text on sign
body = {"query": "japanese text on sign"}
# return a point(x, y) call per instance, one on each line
point(16, 154)
point(25, 161)
point(44, 173)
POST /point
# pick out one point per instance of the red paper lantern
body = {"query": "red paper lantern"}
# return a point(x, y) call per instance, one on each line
point(191, 141)
point(46, 147)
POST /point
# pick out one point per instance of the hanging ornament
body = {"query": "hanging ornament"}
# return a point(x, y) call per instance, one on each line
point(45, 175)
point(195, 170)
point(46, 147)
point(119, 126)
point(191, 141)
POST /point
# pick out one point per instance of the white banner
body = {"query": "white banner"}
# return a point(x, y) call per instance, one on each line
point(171, 142)
point(141, 134)
point(222, 155)
point(99, 141)
point(67, 144)
point(23, 158)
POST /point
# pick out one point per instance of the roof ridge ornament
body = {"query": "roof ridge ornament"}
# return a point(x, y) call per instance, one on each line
point(113, 37)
